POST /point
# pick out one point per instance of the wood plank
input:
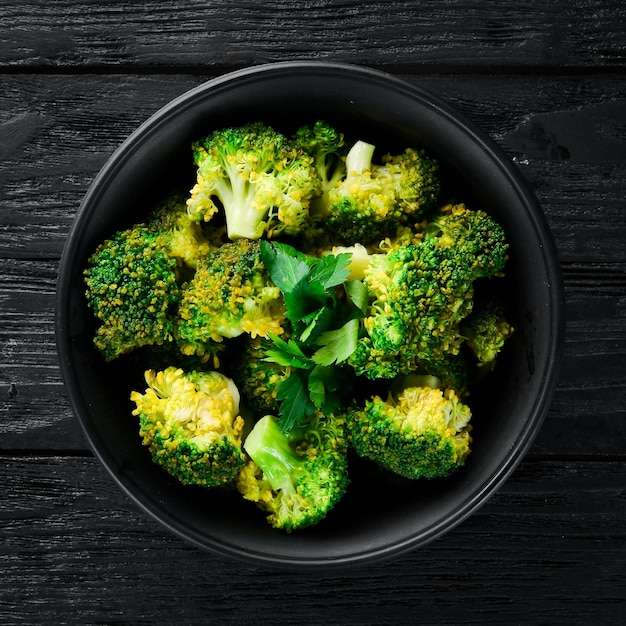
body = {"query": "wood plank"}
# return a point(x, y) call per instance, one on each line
point(550, 543)
point(224, 33)
point(57, 131)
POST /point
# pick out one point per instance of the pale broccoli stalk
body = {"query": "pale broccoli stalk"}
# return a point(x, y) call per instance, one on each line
point(263, 182)
point(359, 159)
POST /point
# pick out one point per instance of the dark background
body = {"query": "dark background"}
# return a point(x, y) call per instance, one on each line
point(546, 80)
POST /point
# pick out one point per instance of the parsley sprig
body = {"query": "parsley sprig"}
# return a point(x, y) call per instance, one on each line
point(324, 309)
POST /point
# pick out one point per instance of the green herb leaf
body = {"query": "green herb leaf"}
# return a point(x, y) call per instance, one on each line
point(337, 345)
point(357, 293)
point(325, 328)
point(303, 302)
point(331, 270)
point(284, 264)
point(295, 405)
point(287, 354)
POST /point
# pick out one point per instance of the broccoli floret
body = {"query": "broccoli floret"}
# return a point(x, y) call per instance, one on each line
point(263, 181)
point(418, 432)
point(131, 288)
point(132, 279)
point(476, 240)
point(296, 480)
point(420, 292)
point(328, 149)
point(230, 294)
point(191, 424)
point(486, 330)
point(258, 378)
point(183, 238)
point(373, 201)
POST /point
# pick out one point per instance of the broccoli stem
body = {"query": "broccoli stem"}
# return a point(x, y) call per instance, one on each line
point(269, 448)
point(359, 158)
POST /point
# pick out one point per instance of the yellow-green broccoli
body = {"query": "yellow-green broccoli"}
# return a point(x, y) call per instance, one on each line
point(133, 278)
point(420, 292)
point(262, 181)
point(418, 431)
point(191, 424)
point(258, 378)
point(230, 294)
point(296, 480)
point(374, 200)
point(328, 148)
point(486, 330)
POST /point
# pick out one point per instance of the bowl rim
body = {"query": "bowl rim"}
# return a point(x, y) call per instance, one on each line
point(474, 500)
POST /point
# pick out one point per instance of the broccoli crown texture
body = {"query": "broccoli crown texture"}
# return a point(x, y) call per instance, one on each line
point(486, 330)
point(422, 432)
point(477, 241)
point(328, 148)
point(262, 180)
point(182, 237)
point(230, 294)
point(190, 422)
point(131, 287)
point(257, 378)
point(420, 292)
point(132, 279)
point(296, 480)
point(374, 200)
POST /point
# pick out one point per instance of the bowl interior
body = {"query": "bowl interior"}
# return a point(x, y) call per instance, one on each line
point(380, 515)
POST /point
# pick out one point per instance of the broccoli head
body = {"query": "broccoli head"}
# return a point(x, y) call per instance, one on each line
point(420, 292)
point(257, 377)
point(132, 279)
point(297, 480)
point(373, 201)
point(190, 422)
point(419, 432)
point(230, 294)
point(476, 240)
point(132, 289)
point(183, 238)
point(486, 330)
point(261, 180)
point(328, 149)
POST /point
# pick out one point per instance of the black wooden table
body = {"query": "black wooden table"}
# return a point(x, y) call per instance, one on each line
point(547, 80)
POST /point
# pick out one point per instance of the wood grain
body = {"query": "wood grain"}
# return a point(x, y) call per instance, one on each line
point(552, 521)
point(222, 33)
point(546, 80)
point(57, 131)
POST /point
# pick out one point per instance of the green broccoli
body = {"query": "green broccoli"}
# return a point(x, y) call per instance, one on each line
point(296, 480)
point(230, 293)
point(475, 238)
point(420, 431)
point(373, 201)
point(486, 330)
point(263, 181)
point(191, 424)
point(328, 149)
point(132, 279)
point(420, 292)
point(258, 378)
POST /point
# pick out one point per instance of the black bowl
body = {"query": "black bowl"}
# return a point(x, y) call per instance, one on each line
point(379, 516)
